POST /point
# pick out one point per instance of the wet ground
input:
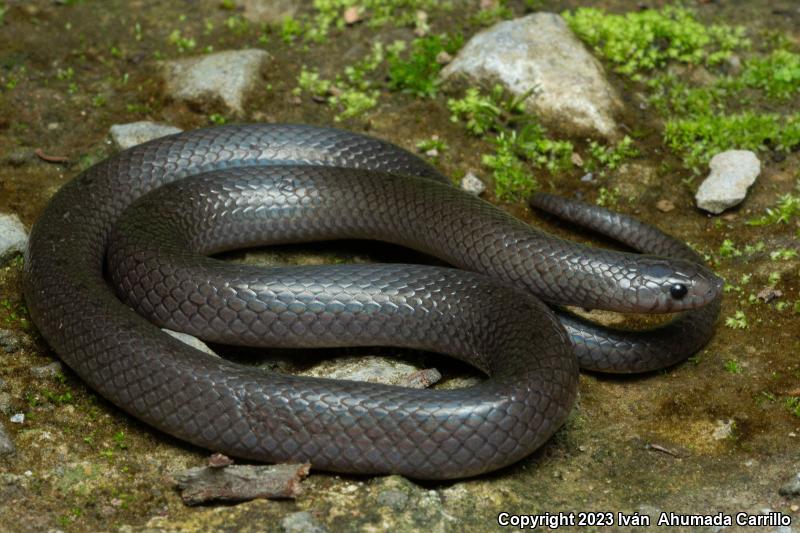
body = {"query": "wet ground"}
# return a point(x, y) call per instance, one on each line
point(718, 433)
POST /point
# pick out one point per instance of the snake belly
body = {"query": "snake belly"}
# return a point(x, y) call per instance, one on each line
point(336, 425)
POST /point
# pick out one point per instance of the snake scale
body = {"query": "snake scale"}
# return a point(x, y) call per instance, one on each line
point(135, 218)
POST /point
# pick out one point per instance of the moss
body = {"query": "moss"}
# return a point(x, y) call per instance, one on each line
point(352, 93)
point(479, 112)
point(777, 74)
point(330, 13)
point(737, 321)
point(698, 138)
point(518, 138)
point(611, 157)
point(418, 73)
point(639, 42)
point(787, 208)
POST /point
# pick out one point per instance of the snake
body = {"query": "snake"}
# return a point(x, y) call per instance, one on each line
point(130, 242)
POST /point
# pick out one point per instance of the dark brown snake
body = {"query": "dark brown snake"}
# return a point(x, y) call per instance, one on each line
point(264, 184)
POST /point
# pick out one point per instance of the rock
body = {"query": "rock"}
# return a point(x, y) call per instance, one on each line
point(5, 403)
point(665, 206)
point(6, 444)
point(223, 78)
point(194, 342)
point(219, 460)
point(133, 133)
point(732, 173)
point(47, 371)
point(792, 487)
point(421, 379)
point(270, 11)
point(240, 482)
point(472, 184)
point(443, 58)
point(352, 15)
point(412, 508)
point(18, 158)
point(539, 53)
point(13, 237)
point(12, 341)
point(18, 418)
point(302, 522)
point(372, 369)
point(588, 177)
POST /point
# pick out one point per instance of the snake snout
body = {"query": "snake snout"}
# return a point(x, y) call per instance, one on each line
point(669, 286)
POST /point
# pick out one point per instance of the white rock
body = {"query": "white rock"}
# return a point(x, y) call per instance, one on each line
point(194, 342)
point(732, 173)
point(13, 237)
point(472, 184)
point(133, 133)
point(371, 368)
point(540, 53)
point(225, 77)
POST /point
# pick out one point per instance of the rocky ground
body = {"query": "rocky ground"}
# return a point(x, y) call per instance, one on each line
point(626, 112)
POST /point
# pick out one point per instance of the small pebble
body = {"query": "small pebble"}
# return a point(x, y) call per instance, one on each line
point(576, 159)
point(6, 444)
point(19, 158)
point(13, 237)
point(587, 178)
point(219, 460)
point(352, 15)
point(732, 174)
point(472, 184)
point(5, 403)
point(443, 58)
point(47, 371)
point(791, 487)
point(665, 206)
point(18, 418)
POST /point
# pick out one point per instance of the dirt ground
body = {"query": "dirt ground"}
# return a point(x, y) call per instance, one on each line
point(715, 434)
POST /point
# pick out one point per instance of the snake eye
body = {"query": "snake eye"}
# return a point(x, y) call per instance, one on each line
point(678, 290)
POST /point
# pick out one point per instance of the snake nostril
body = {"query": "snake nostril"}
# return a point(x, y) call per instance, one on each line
point(678, 290)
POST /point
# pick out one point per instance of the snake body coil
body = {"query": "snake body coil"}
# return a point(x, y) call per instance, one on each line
point(263, 184)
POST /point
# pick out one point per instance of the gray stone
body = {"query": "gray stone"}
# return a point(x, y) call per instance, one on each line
point(472, 184)
point(302, 522)
point(19, 158)
point(13, 237)
point(539, 54)
point(372, 369)
point(210, 80)
point(5, 404)
point(6, 444)
point(133, 133)
point(47, 371)
point(791, 487)
point(12, 341)
point(194, 342)
point(732, 173)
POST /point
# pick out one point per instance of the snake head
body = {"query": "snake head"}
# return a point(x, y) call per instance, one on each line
point(671, 285)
